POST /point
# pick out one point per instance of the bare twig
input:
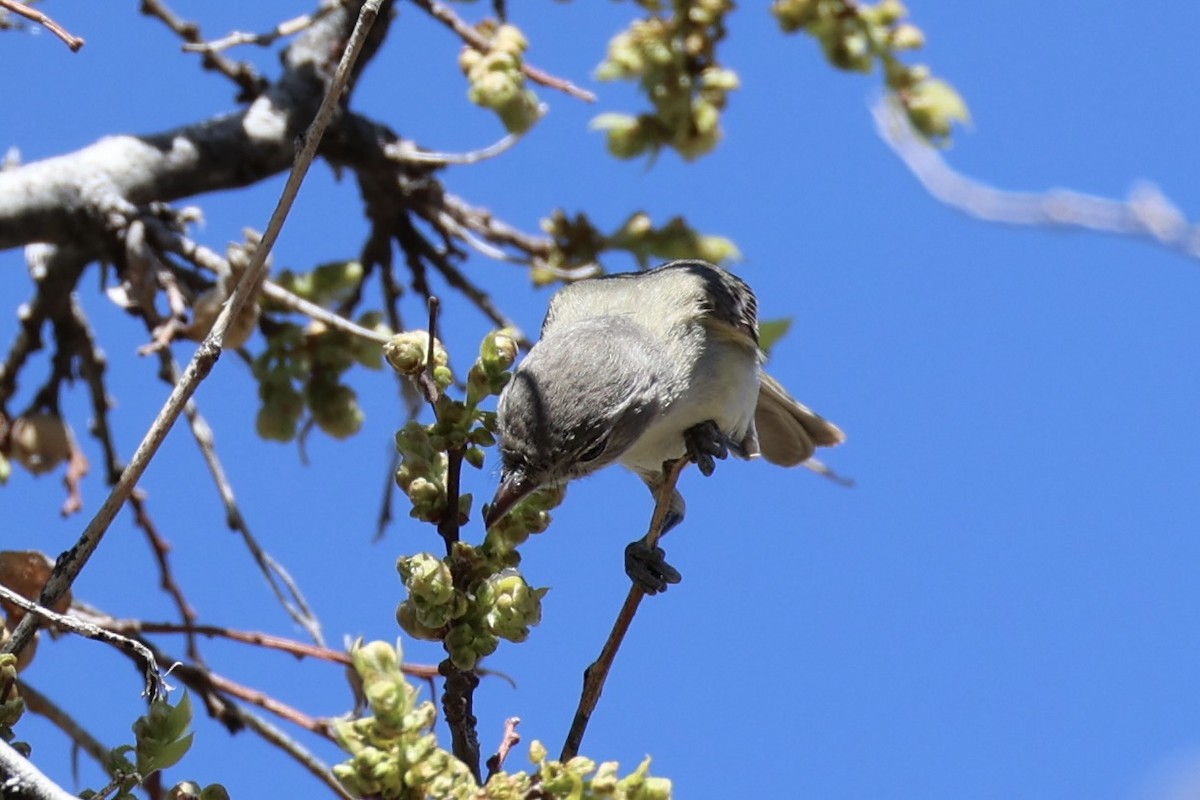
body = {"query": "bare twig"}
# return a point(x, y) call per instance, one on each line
point(68, 567)
point(155, 686)
point(445, 15)
point(92, 365)
point(166, 578)
point(294, 749)
point(510, 740)
point(1147, 214)
point(286, 28)
point(43, 706)
point(595, 675)
point(406, 151)
point(73, 42)
point(199, 676)
point(242, 73)
point(294, 302)
point(284, 587)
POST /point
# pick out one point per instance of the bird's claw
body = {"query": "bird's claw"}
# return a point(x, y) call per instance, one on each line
point(647, 567)
point(705, 442)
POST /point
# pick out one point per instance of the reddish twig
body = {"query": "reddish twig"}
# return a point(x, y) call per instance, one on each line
point(595, 675)
point(510, 740)
point(72, 41)
point(166, 578)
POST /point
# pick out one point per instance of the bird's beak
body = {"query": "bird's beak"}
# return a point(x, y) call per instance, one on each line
point(513, 488)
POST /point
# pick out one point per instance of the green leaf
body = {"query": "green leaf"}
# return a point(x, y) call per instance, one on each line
point(771, 331)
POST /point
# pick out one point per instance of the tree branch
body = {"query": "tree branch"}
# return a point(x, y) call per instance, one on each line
point(68, 566)
point(73, 42)
point(21, 780)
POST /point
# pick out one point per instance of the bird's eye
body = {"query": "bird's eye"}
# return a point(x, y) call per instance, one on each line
point(594, 450)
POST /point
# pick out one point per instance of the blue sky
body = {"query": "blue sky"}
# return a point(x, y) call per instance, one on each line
point(1007, 603)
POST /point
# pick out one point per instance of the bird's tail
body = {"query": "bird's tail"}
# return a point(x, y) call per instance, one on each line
point(788, 431)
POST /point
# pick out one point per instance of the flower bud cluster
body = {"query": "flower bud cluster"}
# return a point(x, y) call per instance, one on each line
point(577, 242)
point(497, 604)
point(496, 77)
point(579, 777)
point(393, 752)
point(854, 36)
point(674, 60)
point(189, 790)
point(301, 369)
point(11, 704)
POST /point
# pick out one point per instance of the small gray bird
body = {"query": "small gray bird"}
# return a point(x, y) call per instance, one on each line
point(644, 368)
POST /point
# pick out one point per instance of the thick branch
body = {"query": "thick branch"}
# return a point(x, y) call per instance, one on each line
point(21, 780)
point(70, 198)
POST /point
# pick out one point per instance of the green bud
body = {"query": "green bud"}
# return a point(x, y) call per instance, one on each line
point(906, 37)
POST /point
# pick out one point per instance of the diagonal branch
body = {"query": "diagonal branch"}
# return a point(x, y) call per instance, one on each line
point(69, 565)
point(32, 14)
point(595, 675)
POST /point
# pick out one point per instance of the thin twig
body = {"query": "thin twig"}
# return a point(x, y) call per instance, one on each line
point(242, 73)
point(284, 587)
point(67, 568)
point(1146, 214)
point(166, 577)
point(43, 706)
point(595, 675)
point(294, 749)
point(286, 28)
point(155, 686)
point(294, 302)
point(406, 151)
point(510, 740)
point(193, 675)
point(445, 15)
point(73, 42)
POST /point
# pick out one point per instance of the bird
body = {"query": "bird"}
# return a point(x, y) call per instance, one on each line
point(642, 369)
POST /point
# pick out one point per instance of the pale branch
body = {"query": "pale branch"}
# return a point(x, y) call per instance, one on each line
point(32, 14)
point(155, 685)
point(407, 151)
point(445, 15)
point(286, 28)
point(80, 198)
point(68, 566)
point(595, 675)
point(43, 706)
point(1146, 214)
point(21, 780)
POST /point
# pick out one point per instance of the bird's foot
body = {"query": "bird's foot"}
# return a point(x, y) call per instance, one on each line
point(705, 442)
point(647, 567)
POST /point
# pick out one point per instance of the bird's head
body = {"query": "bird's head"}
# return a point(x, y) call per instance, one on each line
point(578, 401)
